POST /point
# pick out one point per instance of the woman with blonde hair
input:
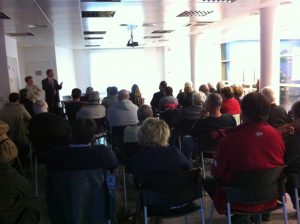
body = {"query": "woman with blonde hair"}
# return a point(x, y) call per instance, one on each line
point(156, 155)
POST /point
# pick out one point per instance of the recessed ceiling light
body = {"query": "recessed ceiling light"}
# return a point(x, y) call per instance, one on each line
point(36, 26)
point(150, 25)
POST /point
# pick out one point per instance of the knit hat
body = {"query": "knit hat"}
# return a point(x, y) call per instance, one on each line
point(8, 149)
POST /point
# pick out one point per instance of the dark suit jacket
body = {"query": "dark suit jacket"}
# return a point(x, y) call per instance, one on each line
point(48, 90)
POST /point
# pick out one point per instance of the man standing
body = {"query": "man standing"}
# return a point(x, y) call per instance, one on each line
point(51, 87)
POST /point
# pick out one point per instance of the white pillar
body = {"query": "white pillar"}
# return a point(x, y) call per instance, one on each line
point(269, 50)
point(193, 56)
point(4, 77)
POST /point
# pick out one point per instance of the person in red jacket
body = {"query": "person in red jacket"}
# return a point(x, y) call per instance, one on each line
point(253, 145)
point(230, 105)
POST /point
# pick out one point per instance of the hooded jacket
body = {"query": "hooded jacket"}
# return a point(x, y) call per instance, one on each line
point(122, 113)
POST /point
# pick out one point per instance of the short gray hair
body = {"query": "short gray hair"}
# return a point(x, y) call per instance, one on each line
point(269, 94)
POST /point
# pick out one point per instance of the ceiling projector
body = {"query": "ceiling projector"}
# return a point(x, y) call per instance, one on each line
point(132, 43)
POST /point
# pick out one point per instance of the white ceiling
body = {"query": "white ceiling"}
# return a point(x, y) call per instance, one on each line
point(63, 26)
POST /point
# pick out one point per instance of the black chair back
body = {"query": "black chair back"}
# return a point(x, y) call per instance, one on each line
point(170, 189)
point(253, 187)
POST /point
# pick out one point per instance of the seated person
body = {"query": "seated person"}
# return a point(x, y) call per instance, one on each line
point(292, 153)
point(76, 184)
point(277, 115)
point(93, 110)
point(213, 122)
point(40, 106)
point(111, 98)
point(155, 154)
point(168, 102)
point(187, 116)
point(254, 145)
point(230, 105)
point(185, 97)
point(74, 105)
point(8, 149)
point(15, 204)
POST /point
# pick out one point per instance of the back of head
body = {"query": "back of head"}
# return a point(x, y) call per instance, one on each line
point(154, 132)
point(237, 90)
point(227, 92)
point(40, 106)
point(169, 91)
point(14, 97)
point(27, 78)
point(213, 101)
point(123, 94)
point(94, 96)
point(296, 109)
point(204, 88)
point(220, 85)
point(76, 93)
point(198, 98)
point(255, 107)
point(83, 131)
point(269, 94)
point(144, 112)
point(113, 91)
point(23, 93)
point(88, 90)
point(49, 130)
point(188, 87)
point(162, 85)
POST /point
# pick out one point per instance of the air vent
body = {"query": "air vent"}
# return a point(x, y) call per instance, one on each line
point(97, 14)
point(162, 31)
point(93, 32)
point(198, 23)
point(100, 0)
point(152, 37)
point(93, 38)
point(3, 16)
point(194, 13)
point(20, 34)
point(92, 45)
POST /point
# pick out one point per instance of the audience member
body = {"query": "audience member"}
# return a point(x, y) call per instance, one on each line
point(136, 95)
point(34, 92)
point(28, 104)
point(230, 105)
point(157, 96)
point(8, 149)
point(131, 132)
point(124, 112)
point(211, 88)
point(292, 153)
point(214, 121)
point(277, 115)
point(155, 154)
point(73, 106)
point(16, 201)
point(17, 118)
point(168, 102)
point(111, 98)
point(205, 89)
point(186, 117)
point(220, 85)
point(185, 97)
point(254, 140)
point(238, 92)
point(86, 96)
point(76, 182)
point(40, 106)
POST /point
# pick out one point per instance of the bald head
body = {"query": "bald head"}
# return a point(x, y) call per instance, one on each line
point(123, 94)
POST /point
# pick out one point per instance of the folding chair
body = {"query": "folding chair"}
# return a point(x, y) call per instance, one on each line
point(170, 194)
point(256, 187)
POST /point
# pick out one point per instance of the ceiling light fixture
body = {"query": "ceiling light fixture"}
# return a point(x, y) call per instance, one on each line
point(36, 26)
point(219, 1)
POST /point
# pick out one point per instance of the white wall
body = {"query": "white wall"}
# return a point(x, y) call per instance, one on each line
point(208, 59)
point(65, 69)
point(82, 69)
point(124, 67)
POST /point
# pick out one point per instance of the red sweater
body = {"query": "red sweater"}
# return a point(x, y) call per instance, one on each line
point(250, 146)
point(230, 106)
